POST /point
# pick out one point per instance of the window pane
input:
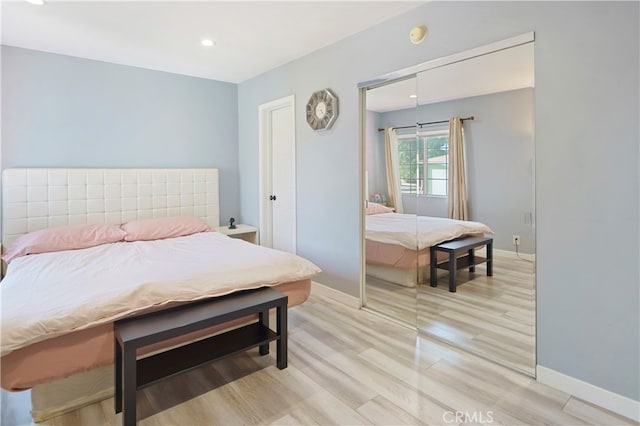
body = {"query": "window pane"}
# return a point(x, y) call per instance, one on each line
point(437, 179)
point(438, 145)
point(407, 155)
point(437, 163)
point(420, 149)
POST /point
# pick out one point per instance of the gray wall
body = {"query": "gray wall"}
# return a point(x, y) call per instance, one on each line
point(587, 84)
point(499, 153)
point(61, 111)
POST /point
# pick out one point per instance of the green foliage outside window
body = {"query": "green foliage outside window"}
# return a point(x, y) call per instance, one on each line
point(414, 171)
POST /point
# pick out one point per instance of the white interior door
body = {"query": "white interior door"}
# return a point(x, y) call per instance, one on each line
point(278, 175)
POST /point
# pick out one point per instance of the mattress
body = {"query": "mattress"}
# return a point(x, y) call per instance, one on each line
point(382, 254)
point(58, 308)
point(418, 232)
point(92, 348)
point(51, 294)
point(397, 244)
point(397, 256)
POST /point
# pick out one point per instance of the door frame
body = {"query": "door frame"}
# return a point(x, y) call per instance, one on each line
point(264, 166)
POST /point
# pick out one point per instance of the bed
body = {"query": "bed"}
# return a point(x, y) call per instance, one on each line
point(397, 245)
point(59, 306)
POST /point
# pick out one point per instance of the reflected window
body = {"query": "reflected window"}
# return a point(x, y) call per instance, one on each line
point(424, 161)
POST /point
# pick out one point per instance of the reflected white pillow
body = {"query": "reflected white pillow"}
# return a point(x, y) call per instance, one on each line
point(376, 208)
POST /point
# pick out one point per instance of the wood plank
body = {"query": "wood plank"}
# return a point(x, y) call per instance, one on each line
point(487, 315)
point(398, 378)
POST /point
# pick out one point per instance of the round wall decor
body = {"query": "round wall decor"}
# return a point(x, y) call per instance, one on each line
point(322, 110)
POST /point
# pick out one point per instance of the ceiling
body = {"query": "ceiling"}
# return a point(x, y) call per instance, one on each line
point(251, 37)
point(500, 71)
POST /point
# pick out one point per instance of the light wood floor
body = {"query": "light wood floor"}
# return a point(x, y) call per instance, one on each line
point(490, 316)
point(346, 366)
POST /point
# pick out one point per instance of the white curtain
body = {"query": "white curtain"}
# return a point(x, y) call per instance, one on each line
point(393, 169)
point(457, 181)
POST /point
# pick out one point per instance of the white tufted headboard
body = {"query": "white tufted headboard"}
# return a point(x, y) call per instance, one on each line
point(34, 199)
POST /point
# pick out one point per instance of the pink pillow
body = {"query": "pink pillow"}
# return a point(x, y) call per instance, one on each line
point(60, 238)
point(163, 227)
point(375, 208)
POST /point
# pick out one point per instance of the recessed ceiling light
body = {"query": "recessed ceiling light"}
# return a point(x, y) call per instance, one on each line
point(207, 42)
point(38, 2)
point(413, 96)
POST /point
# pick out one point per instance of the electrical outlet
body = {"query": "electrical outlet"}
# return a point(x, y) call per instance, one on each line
point(516, 240)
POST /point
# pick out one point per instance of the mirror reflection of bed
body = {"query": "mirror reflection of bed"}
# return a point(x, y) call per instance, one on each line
point(492, 316)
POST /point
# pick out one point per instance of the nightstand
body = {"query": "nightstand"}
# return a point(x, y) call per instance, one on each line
point(244, 232)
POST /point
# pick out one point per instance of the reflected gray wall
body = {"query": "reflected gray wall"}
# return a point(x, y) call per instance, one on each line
point(375, 156)
point(499, 151)
point(587, 83)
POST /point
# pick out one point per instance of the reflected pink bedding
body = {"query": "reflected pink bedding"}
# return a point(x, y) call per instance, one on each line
point(384, 254)
point(397, 256)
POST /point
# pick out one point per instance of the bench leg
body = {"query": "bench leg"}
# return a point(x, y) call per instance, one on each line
point(472, 259)
point(281, 346)
point(433, 274)
point(490, 259)
point(130, 387)
point(452, 272)
point(264, 320)
point(118, 376)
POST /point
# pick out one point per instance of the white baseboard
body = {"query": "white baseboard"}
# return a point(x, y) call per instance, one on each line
point(323, 290)
point(619, 404)
point(509, 254)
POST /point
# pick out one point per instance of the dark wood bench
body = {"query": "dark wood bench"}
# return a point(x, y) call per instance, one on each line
point(470, 260)
point(133, 333)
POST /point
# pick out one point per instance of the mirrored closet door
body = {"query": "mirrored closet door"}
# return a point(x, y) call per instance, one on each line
point(391, 176)
point(493, 96)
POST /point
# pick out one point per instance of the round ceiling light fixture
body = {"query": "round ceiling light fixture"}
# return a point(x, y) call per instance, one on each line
point(207, 42)
point(418, 34)
point(37, 2)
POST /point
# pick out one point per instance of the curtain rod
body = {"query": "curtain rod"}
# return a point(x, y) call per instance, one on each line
point(471, 117)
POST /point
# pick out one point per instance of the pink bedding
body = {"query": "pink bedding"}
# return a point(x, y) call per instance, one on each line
point(52, 294)
point(90, 348)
